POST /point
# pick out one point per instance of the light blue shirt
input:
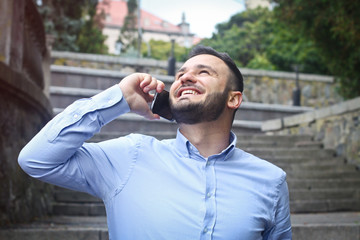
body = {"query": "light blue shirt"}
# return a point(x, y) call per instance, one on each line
point(159, 189)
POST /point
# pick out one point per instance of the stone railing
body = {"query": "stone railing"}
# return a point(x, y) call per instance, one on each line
point(24, 108)
point(270, 87)
point(337, 126)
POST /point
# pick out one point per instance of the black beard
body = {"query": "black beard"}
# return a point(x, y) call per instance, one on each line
point(206, 111)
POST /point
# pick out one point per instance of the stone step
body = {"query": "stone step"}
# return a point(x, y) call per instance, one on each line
point(276, 138)
point(59, 228)
point(79, 209)
point(304, 160)
point(305, 226)
point(267, 153)
point(55, 233)
point(99, 79)
point(329, 205)
point(324, 194)
point(243, 144)
point(252, 142)
point(79, 77)
point(325, 226)
point(328, 174)
point(68, 196)
point(133, 123)
point(318, 166)
point(309, 184)
point(61, 97)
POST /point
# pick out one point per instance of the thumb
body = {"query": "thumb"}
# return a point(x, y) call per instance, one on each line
point(151, 116)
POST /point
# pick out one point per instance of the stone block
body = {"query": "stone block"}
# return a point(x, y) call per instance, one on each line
point(323, 113)
point(339, 109)
point(299, 119)
point(353, 104)
point(272, 125)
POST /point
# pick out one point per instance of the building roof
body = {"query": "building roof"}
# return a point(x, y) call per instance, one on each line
point(115, 12)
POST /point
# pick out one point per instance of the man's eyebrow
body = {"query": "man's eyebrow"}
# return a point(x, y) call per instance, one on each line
point(198, 66)
point(183, 69)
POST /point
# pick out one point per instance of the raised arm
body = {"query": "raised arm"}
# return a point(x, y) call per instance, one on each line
point(56, 153)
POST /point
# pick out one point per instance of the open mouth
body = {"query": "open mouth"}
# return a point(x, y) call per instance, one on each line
point(187, 91)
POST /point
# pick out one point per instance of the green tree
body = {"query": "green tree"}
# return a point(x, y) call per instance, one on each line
point(66, 21)
point(287, 48)
point(256, 39)
point(244, 36)
point(161, 50)
point(128, 34)
point(334, 26)
point(90, 38)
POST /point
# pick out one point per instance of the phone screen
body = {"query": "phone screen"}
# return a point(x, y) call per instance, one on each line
point(161, 105)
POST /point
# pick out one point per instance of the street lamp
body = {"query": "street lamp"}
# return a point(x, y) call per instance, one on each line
point(171, 60)
point(297, 90)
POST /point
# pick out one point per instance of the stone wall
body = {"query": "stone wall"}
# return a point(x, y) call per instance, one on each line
point(24, 108)
point(270, 87)
point(338, 127)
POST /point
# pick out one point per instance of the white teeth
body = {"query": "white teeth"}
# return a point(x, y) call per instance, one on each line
point(189, 92)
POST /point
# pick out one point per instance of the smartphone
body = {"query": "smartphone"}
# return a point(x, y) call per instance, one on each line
point(161, 105)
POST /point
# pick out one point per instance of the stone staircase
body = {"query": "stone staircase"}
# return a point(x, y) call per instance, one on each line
point(318, 180)
point(324, 189)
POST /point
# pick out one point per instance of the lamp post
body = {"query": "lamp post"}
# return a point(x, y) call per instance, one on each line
point(171, 60)
point(139, 29)
point(297, 91)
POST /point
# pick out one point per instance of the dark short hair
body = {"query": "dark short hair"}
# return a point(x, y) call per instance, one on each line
point(199, 50)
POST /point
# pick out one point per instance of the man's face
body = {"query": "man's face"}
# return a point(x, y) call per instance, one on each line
point(199, 92)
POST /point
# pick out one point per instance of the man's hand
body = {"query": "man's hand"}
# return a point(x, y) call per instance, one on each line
point(136, 88)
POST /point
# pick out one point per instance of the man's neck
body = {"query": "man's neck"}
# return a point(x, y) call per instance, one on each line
point(209, 137)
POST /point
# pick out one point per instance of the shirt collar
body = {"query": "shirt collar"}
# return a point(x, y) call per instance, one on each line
point(184, 146)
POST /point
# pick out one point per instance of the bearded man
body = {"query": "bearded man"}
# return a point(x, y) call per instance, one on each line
point(196, 186)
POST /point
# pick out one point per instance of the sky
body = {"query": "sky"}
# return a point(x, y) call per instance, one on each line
point(202, 15)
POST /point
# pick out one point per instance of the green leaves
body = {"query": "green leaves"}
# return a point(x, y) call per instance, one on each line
point(161, 50)
point(334, 27)
point(256, 39)
point(323, 36)
point(74, 26)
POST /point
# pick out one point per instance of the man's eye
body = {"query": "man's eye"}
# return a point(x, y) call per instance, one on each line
point(179, 75)
point(204, 72)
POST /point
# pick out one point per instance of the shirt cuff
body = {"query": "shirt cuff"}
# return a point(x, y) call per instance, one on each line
point(111, 103)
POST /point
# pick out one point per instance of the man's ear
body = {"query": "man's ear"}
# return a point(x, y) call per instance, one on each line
point(235, 99)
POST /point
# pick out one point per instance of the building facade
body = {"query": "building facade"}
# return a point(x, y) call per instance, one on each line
point(152, 27)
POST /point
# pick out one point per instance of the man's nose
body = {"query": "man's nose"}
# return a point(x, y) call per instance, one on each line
point(187, 77)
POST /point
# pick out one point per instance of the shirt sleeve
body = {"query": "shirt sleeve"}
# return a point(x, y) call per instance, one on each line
point(281, 229)
point(56, 153)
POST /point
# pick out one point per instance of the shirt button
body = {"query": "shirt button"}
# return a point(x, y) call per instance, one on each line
point(208, 163)
point(110, 101)
point(208, 194)
point(205, 230)
point(75, 116)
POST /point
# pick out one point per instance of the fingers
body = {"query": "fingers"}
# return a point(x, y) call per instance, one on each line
point(136, 91)
point(152, 116)
point(150, 83)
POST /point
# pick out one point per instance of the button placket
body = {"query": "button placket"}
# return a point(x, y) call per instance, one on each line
point(209, 198)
